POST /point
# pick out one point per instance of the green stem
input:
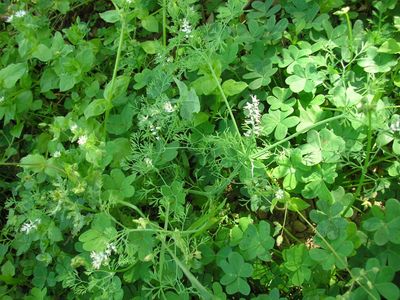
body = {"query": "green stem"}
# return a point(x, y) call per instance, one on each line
point(164, 16)
point(116, 64)
point(349, 28)
point(366, 162)
point(134, 207)
point(205, 294)
point(338, 257)
point(267, 149)
point(226, 102)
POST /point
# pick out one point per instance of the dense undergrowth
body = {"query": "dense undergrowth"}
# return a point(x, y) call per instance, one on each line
point(187, 149)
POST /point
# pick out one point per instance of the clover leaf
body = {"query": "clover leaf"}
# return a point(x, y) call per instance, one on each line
point(293, 56)
point(236, 272)
point(281, 99)
point(386, 227)
point(297, 261)
point(375, 62)
point(257, 242)
point(305, 78)
point(278, 121)
point(376, 280)
point(328, 217)
point(334, 255)
point(261, 78)
point(117, 185)
point(323, 146)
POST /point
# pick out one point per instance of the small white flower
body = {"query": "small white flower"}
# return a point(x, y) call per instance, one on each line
point(17, 14)
point(102, 257)
point(98, 258)
point(168, 107)
point(82, 140)
point(148, 162)
point(154, 131)
point(279, 194)
point(395, 126)
point(186, 28)
point(1, 99)
point(20, 13)
point(57, 154)
point(27, 227)
point(73, 127)
point(342, 11)
point(253, 117)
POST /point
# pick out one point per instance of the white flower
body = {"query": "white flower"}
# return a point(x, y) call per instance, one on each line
point(102, 257)
point(279, 194)
point(18, 14)
point(129, 1)
point(27, 227)
point(253, 117)
point(343, 11)
point(1, 99)
point(148, 162)
point(73, 127)
point(395, 126)
point(186, 28)
point(168, 107)
point(98, 258)
point(154, 131)
point(82, 140)
point(57, 154)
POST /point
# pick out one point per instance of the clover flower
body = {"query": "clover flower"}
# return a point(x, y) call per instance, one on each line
point(342, 11)
point(395, 126)
point(82, 140)
point(102, 257)
point(148, 162)
point(154, 131)
point(279, 194)
point(186, 28)
point(17, 14)
point(73, 127)
point(29, 226)
point(168, 107)
point(253, 116)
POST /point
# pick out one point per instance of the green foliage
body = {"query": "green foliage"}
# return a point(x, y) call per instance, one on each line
point(199, 149)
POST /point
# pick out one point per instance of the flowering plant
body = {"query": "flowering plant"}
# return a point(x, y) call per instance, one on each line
point(199, 149)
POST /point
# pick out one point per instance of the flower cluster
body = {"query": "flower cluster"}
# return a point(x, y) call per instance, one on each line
point(253, 117)
point(395, 126)
point(82, 140)
point(27, 227)
point(168, 108)
point(18, 14)
point(102, 257)
point(186, 28)
point(279, 194)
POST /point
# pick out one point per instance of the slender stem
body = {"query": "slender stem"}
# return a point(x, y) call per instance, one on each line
point(349, 27)
point(134, 207)
point(21, 165)
point(164, 16)
point(267, 149)
point(205, 294)
point(116, 64)
point(339, 258)
point(228, 106)
point(366, 162)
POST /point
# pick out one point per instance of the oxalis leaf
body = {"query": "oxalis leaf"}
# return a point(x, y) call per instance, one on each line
point(235, 271)
point(189, 100)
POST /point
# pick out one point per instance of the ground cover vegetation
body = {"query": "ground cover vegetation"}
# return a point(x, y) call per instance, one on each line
point(187, 149)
